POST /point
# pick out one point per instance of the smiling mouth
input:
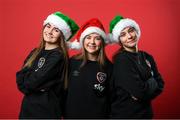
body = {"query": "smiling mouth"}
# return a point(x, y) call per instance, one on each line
point(131, 41)
point(91, 47)
point(48, 36)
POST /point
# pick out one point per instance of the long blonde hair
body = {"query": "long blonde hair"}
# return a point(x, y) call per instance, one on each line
point(100, 59)
point(62, 48)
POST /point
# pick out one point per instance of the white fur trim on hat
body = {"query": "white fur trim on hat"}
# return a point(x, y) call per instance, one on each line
point(74, 45)
point(60, 24)
point(90, 30)
point(123, 24)
point(110, 39)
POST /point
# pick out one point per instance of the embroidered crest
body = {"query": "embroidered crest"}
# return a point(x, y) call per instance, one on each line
point(101, 77)
point(41, 62)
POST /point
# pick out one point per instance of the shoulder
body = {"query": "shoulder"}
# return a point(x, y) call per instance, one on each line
point(108, 66)
point(147, 55)
point(32, 51)
point(108, 63)
point(30, 54)
point(121, 56)
point(57, 51)
point(123, 62)
point(56, 54)
point(74, 63)
point(74, 60)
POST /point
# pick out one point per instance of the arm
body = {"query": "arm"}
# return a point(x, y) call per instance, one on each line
point(155, 84)
point(34, 80)
point(23, 72)
point(127, 78)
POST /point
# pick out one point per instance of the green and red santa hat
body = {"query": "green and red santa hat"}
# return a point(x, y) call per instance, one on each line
point(91, 26)
point(67, 26)
point(118, 24)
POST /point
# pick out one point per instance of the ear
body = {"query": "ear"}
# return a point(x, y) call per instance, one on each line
point(119, 41)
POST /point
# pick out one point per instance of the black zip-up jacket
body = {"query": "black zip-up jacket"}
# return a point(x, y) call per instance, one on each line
point(134, 75)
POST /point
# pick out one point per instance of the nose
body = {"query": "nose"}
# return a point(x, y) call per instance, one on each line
point(92, 41)
point(129, 35)
point(50, 30)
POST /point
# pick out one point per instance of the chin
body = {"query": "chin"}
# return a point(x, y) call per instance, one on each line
point(133, 45)
point(92, 52)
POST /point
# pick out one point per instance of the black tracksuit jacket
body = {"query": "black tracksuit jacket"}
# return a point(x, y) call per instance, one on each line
point(134, 74)
point(42, 86)
point(88, 90)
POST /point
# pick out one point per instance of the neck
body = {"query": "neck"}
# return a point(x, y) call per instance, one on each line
point(50, 46)
point(92, 57)
point(133, 49)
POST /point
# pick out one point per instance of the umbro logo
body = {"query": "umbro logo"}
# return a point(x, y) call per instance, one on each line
point(75, 73)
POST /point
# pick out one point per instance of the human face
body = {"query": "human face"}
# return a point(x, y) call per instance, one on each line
point(128, 38)
point(51, 34)
point(92, 43)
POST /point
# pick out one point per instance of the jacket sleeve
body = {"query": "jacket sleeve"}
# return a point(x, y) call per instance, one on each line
point(127, 78)
point(33, 80)
point(22, 73)
point(155, 84)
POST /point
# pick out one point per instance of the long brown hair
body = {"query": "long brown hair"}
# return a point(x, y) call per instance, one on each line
point(100, 59)
point(62, 48)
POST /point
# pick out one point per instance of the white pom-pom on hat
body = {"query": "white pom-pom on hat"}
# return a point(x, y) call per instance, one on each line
point(74, 45)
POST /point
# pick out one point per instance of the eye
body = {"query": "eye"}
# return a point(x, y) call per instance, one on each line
point(48, 25)
point(88, 37)
point(122, 34)
point(57, 30)
point(131, 30)
point(98, 38)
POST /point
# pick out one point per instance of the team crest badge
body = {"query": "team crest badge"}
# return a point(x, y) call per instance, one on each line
point(41, 62)
point(101, 77)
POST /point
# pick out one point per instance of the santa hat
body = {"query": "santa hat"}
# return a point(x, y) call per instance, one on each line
point(91, 26)
point(63, 23)
point(118, 24)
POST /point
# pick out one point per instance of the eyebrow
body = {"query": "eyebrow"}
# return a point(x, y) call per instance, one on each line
point(122, 32)
point(131, 28)
point(48, 24)
point(54, 26)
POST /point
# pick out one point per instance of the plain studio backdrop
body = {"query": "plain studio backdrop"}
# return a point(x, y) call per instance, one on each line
point(21, 24)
